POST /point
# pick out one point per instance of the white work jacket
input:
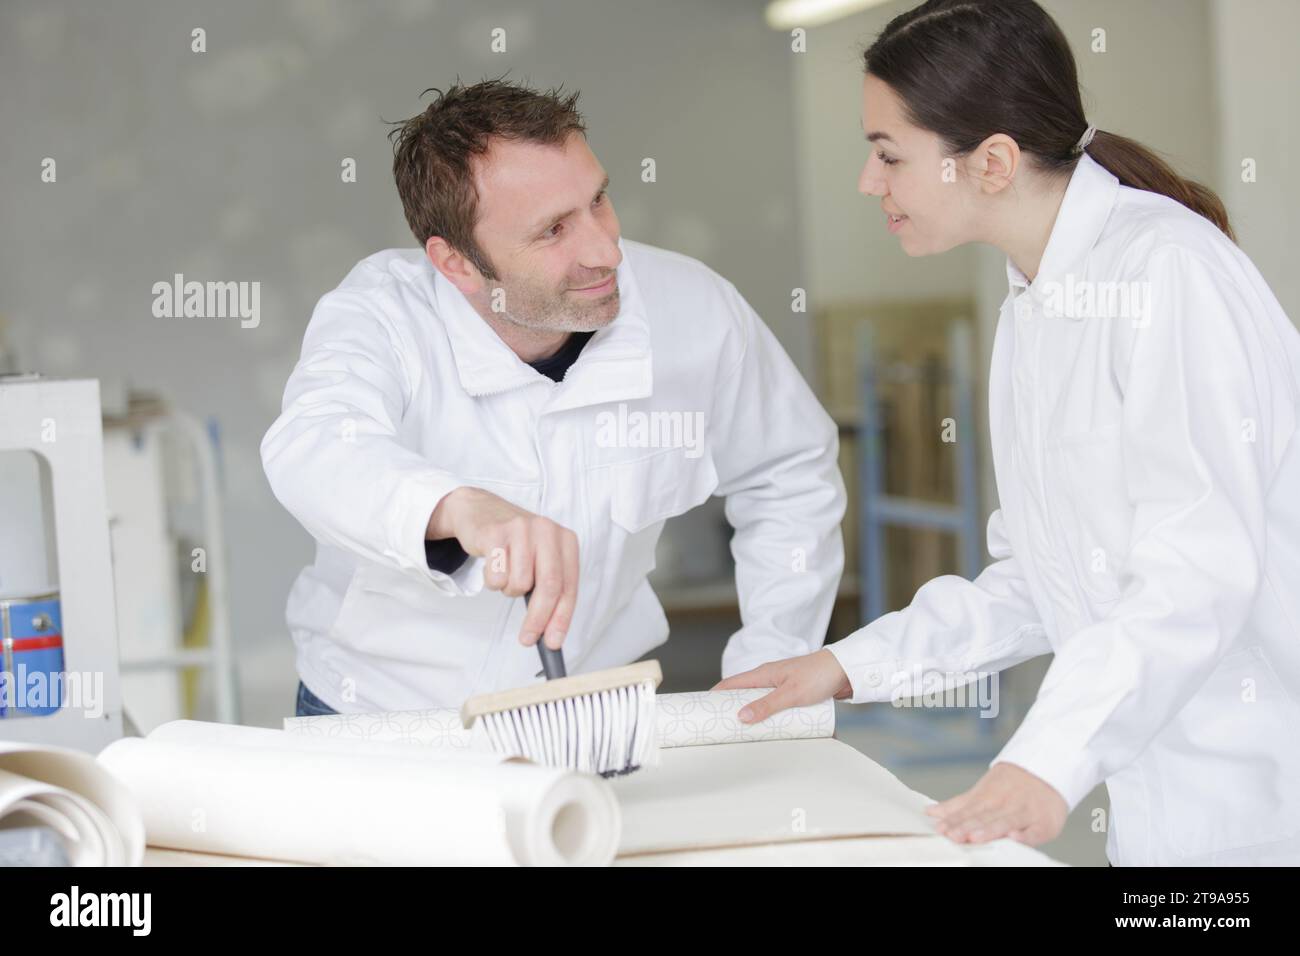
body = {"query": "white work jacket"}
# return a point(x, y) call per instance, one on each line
point(404, 393)
point(1148, 473)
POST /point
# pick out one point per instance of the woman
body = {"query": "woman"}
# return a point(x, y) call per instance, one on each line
point(1143, 411)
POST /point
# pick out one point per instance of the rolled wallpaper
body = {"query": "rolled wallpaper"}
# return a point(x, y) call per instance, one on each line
point(682, 720)
point(248, 791)
point(92, 815)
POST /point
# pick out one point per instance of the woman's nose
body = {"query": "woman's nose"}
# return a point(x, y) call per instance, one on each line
point(869, 182)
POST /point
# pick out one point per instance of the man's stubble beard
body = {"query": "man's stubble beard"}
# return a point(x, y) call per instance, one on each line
point(556, 312)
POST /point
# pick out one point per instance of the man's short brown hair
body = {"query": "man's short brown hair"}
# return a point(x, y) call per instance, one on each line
point(432, 153)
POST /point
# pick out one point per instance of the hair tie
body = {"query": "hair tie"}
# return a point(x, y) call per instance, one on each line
point(1085, 139)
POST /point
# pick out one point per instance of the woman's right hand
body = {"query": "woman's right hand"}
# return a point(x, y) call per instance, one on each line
point(796, 682)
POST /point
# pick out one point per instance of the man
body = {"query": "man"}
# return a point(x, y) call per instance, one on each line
point(515, 408)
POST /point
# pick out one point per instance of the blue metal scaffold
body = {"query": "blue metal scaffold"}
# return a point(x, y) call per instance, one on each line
point(938, 735)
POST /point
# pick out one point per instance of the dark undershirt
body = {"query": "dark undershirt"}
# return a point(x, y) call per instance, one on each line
point(446, 554)
point(555, 366)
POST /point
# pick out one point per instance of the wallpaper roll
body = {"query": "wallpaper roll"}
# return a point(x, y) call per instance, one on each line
point(682, 720)
point(248, 791)
point(709, 717)
point(94, 815)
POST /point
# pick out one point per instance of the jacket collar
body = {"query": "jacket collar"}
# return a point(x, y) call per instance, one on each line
point(1089, 198)
point(614, 365)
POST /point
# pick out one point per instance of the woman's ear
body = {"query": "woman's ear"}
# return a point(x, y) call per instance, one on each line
point(993, 163)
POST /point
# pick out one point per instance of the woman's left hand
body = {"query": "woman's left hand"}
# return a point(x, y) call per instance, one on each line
point(1008, 801)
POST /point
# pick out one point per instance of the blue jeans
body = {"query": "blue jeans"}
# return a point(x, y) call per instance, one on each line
point(309, 705)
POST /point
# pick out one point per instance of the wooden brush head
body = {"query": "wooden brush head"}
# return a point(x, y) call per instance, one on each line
point(563, 688)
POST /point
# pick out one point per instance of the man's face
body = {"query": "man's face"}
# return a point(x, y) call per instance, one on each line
point(549, 230)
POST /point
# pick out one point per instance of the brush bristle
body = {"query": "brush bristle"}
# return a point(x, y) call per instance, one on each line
point(609, 732)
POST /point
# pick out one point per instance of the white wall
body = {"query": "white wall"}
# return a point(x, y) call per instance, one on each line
point(1257, 83)
point(850, 255)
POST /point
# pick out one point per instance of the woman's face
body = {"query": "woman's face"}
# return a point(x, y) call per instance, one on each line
point(926, 199)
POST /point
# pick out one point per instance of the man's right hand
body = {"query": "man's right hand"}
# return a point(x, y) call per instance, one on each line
point(522, 552)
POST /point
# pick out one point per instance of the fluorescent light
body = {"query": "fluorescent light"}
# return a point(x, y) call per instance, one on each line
point(787, 14)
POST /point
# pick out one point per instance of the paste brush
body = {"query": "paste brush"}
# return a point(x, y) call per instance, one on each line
point(602, 722)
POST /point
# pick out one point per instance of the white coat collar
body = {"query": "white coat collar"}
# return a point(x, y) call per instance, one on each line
point(614, 365)
point(1088, 201)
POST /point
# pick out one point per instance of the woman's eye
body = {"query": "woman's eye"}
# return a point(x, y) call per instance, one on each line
point(599, 199)
point(554, 230)
point(886, 160)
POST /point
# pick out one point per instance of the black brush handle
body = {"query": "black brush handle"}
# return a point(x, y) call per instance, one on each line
point(552, 660)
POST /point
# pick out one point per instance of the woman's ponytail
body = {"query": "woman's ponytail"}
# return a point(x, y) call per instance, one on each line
point(1136, 166)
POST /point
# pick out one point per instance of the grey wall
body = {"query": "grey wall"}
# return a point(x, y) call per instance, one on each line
point(225, 166)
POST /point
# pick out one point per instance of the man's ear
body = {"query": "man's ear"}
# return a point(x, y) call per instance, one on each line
point(993, 164)
point(457, 269)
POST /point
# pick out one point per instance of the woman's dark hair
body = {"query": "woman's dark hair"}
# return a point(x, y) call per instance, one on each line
point(966, 69)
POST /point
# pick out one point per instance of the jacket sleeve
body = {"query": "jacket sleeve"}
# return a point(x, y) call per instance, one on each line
point(334, 457)
point(775, 450)
point(954, 630)
point(1197, 488)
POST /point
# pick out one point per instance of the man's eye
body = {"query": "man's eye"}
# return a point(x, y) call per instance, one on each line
point(554, 230)
point(599, 199)
point(886, 160)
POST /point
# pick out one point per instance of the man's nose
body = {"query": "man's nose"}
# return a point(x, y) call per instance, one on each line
point(600, 248)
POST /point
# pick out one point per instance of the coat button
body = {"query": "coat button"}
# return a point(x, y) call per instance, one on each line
point(874, 678)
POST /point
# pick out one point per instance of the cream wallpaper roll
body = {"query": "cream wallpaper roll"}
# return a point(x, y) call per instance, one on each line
point(251, 791)
point(682, 720)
